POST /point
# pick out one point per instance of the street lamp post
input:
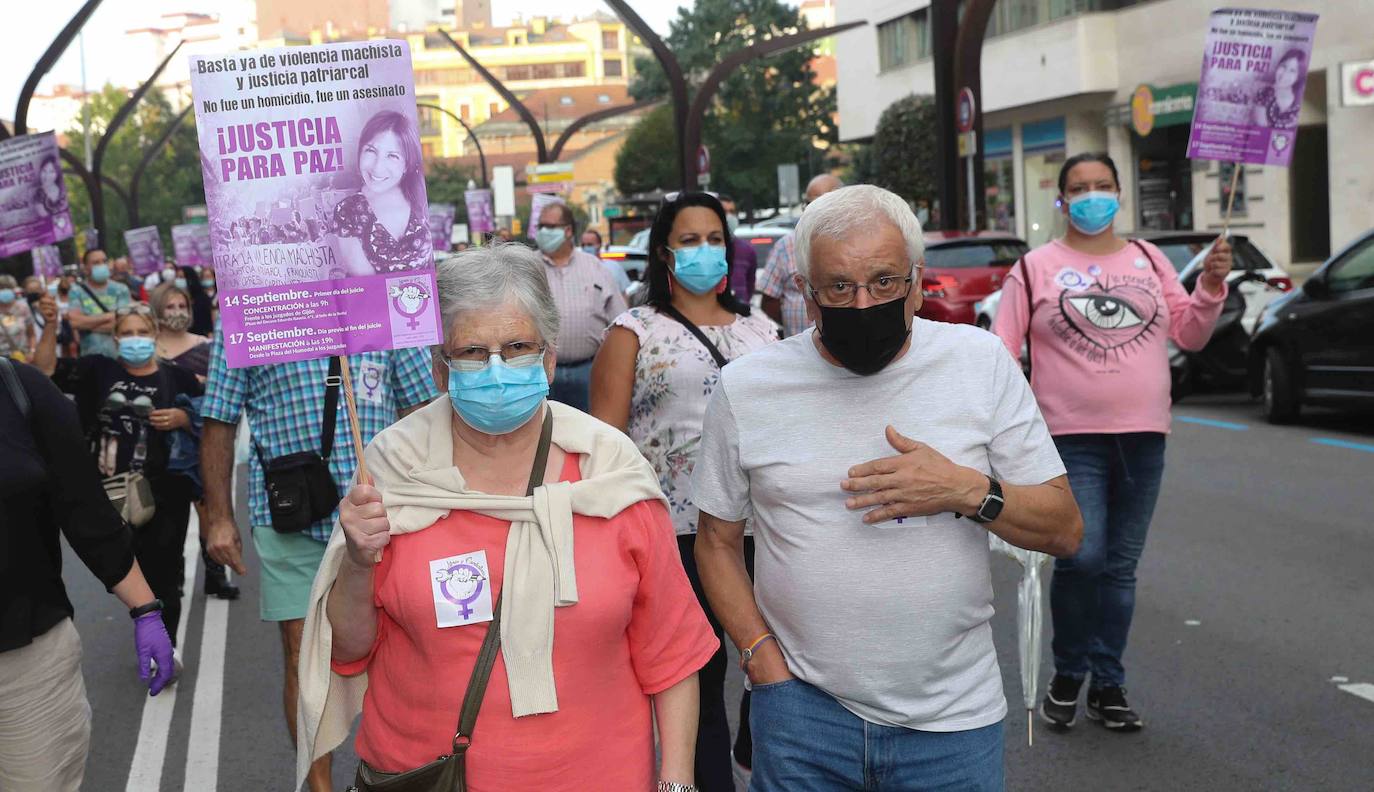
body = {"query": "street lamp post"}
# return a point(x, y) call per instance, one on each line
point(481, 157)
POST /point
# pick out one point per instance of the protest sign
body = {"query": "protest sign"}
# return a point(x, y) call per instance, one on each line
point(315, 191)
point(441, 224)
point(145, 249)
point(481, 218)
point(1254, 68)
point(47, 261)
point(33, 196)
point(191, 244)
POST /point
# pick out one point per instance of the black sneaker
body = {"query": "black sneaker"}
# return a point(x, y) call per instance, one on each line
point(1108, 706)
point(1060, 706)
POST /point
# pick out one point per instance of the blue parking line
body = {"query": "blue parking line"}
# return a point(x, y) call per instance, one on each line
point(1235, 427)
point(1329, 441)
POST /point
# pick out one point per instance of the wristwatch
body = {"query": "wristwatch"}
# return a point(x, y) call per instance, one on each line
point(144, 610)
point(992, 504)
point(673, 786)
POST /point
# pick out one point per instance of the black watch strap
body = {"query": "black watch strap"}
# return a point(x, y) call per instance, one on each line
point(992, 503)
point(144, 610)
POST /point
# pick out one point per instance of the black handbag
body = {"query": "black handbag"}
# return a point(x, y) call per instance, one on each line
point(448, 772)
point(300, 488)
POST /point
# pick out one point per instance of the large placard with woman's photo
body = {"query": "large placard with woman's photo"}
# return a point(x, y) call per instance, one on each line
point(33, 196)
point(1254, 68)
point(319, 223)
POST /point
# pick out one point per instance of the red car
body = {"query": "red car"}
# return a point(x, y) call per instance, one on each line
point(962, 268)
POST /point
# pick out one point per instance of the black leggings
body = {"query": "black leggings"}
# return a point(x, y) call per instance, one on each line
point(713, 771)
point(159, 546)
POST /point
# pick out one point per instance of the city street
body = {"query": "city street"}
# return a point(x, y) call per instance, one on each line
point(1251, 659)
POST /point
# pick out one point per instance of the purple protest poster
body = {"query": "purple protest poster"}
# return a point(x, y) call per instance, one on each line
point(481, 217)
point(538, 203)
point(315, 189)
point(145, 249)
point(33, 196)
point(441, 225)
point(47, 261)
point(1254, 70)
point(191, 244)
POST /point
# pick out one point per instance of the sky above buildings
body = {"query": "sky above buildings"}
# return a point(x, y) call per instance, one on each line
point(30, 26)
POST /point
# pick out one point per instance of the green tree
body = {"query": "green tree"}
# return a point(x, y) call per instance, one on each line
point(171, 181)
point(766, 113)
point(445, 182)
point(903, 154)
point(648, 159)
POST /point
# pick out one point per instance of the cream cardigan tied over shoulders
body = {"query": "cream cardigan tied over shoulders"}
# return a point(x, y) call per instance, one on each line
point(412, 464)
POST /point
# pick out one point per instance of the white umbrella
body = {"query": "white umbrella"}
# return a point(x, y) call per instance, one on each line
point(1029, 622)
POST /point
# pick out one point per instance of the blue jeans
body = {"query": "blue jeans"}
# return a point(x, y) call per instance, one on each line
point(1115, 479)
point(572, 385)
point(804, 741)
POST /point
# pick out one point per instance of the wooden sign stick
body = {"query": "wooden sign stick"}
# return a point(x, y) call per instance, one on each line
point(353, 424)
point(1231, 199)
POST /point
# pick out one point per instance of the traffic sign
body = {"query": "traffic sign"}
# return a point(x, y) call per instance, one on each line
point(965, 111)
point(968, 143)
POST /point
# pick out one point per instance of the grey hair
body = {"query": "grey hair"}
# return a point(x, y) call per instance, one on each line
point(487, 277)
point(842, 213)
point(8, 282)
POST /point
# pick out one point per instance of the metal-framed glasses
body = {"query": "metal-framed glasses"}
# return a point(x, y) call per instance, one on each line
point(516, 354)
point(884, 288)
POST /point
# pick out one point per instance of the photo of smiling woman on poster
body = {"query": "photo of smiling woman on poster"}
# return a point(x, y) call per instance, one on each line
point(1277, 104)
point(385, 226)
point(52, 193)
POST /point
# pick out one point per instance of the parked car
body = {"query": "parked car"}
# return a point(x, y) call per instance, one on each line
point(963, 268)
point(634, 256)
point(1315, 345)
point(783, 221)
point(762, 239)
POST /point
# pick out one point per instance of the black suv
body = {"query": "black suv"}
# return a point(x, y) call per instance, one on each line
point(1316, 344)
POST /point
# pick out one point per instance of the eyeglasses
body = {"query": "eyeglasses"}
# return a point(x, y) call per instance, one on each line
point(883, 289)
point(516, 354)
point(137, 309)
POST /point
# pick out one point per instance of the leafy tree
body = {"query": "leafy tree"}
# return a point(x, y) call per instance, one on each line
point(445, 182)
point(648, 159)
point(766, 113)
point(903, 154)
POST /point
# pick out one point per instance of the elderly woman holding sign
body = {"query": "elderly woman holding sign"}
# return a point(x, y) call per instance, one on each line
point(463, 582)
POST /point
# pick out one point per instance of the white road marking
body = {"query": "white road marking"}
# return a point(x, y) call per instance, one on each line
point(1362, 689)
point(1339, 679)
point(1193, 623)
point(202, 752)
point(145, 771)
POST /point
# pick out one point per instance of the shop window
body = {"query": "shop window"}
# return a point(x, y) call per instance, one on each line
point(1042, 144)
point(613, 67)
point(904, 40)
point(999, 181)
point(1164, 180)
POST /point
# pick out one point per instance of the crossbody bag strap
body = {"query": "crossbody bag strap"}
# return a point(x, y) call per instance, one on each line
point(1146, 253)
point(332, 382)
point(15, 387)
point(1030, 300)
point(98, 301)
point(696, 331)
point(486, 656)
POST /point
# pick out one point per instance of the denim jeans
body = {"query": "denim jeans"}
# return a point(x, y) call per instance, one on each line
point(804, 741)
point(572, 385)
point(1115, 479)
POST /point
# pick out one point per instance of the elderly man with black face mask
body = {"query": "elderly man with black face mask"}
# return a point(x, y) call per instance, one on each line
point(872, 455)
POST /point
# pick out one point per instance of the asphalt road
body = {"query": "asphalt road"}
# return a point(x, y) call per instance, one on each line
point(1255, 606)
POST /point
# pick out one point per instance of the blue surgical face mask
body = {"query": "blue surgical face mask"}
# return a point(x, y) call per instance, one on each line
point(6, 296)
point(592, 249)
point(136, 350)
point(1092, 213)
point(100, 273)
point(700, 269)
point(498, 399)
point(549, 240)
point(207, 283)
point(52, 288)
point(180, 283)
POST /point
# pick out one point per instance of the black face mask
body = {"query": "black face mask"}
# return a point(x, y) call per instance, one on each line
point(865, 340)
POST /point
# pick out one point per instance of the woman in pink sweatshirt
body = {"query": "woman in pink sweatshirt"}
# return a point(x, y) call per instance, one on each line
point(1096, 311)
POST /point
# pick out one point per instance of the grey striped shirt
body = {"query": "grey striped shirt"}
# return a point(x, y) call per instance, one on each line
point(588, 301)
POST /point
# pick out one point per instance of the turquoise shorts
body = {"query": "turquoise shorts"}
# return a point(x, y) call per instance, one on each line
point(288, 563)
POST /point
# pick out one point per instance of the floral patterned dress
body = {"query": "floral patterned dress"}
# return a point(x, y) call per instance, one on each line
point(674, 377)
point(353, 217)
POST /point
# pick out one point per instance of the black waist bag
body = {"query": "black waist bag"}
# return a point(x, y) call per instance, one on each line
point(300, 488)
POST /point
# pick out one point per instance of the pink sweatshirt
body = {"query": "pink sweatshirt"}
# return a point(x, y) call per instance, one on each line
point(1099, 363)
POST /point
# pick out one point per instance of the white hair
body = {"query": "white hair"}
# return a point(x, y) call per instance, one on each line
point(482, 278)
point(842, 213)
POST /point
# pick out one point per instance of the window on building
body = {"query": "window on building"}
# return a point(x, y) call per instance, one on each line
point(999, 180)
point(610, 39)
point(574, 69)
point(430, 123)
point(566, 101)
point(1009, 16)
point(904, 40)
point(516, 73)
point(613, 67)
point(465, 113)
point(544, 71)
point(492, 109)
point(603, 98)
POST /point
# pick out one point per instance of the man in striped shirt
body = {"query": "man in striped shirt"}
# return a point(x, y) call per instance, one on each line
point(588, 301)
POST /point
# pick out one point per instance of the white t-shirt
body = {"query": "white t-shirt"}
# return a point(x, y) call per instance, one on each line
point(891, 619)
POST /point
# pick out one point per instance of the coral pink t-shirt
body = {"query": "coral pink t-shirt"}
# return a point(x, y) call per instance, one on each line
point(1099, 361)
point(636, 630)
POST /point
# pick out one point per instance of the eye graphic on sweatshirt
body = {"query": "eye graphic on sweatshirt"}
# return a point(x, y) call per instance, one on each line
point(1109, 317)
point(1106, 312)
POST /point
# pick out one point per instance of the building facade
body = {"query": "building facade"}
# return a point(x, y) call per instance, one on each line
point(1059, 78)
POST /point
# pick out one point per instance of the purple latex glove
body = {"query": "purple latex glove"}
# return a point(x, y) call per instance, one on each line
point(154, 645)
